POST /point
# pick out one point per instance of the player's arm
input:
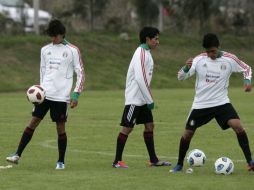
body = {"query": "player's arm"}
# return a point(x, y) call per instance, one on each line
point(42, 67)
point(240, 66)
point(247, 73)
point(187, 70)
point(80, 73)
point(141, 76)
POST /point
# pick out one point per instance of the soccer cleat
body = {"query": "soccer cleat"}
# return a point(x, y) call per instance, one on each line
point(13, 159)
point(177, 168)
point(59, 166)
point(250, 166)
point(159, 163)
point(119, 164)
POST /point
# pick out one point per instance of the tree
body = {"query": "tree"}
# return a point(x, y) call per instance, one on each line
point(86, 10)
point(89, 8)
point(147, 11)
point(201, 10)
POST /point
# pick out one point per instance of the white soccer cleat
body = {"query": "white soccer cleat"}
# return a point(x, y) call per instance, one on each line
point(13, 159)
point(59, 166)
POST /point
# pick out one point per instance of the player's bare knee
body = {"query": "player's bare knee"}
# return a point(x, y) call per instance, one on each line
point(126, 130)
point(34, 122)
point(149, 127)
point(236, 125)
point(238, 129)
point(188, 134)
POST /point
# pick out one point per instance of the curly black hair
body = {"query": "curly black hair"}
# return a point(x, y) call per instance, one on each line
point(148, 31)
point(210, 40)
point(55, 28)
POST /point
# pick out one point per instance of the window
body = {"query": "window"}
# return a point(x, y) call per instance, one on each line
point(12, 3)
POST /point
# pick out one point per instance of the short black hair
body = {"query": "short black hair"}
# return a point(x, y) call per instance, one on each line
point(210, 40)
point(148, 31)
point(55, 28)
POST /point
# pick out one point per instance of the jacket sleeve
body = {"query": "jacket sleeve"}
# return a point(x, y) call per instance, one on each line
point(184, 73)
point(240, 66)
point(141, 74)
point(79, 70)
point(42, 66)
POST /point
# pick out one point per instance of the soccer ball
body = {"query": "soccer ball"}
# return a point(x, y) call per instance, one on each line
point(35, 94)
point(196, 157)
point(224, 166)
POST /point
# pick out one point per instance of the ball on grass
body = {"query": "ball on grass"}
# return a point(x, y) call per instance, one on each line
point(189, 171)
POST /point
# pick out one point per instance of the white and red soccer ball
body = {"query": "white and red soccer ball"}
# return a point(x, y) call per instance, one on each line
point(35, 94)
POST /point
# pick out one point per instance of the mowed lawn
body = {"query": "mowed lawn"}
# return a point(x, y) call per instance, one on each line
point(92, 129)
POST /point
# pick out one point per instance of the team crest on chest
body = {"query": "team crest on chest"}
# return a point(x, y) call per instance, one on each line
point(223, 66)
point(65, 54)
point(150, 72)
point(49, 53)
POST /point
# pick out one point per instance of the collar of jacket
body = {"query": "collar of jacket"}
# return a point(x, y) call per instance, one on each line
point(65, 42)
point(145, 46)
point(220, 54)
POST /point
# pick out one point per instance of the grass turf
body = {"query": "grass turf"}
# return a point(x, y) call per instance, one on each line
point(92, 129)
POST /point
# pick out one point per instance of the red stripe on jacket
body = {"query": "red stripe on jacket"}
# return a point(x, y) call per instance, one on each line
point(142, 57)
point(240, 63)
point(80, 88)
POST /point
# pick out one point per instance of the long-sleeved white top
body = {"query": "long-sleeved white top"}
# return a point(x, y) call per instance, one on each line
point(57, 66)
point(212, 78)
point(139, 77)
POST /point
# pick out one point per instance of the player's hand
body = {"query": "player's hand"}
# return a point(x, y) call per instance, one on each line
point(247, 85)
point(150, 106)
point(74, 103)
point(74, 99)
point(189, 62)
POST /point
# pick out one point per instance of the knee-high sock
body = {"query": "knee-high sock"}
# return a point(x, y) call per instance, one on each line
point(25, 139)
point(121, 140)
point(62, 144)
point(183, 148)
point(149, 141)
point(244, 144)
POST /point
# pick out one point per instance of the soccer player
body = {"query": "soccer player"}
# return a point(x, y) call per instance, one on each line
point(138, 98)
point(213, 69)
point(59, 60)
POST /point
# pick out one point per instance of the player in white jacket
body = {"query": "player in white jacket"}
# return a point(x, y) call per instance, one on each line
point(138, 98)
point(59, 60)
point(213, 70)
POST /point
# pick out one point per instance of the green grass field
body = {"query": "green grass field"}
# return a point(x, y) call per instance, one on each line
point(92, 129)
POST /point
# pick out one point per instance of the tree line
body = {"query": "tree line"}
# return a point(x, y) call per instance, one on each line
point(234, 16)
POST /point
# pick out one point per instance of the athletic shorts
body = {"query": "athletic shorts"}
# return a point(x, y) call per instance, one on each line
point(58, 110)
point(136, 115)
point(222, 114)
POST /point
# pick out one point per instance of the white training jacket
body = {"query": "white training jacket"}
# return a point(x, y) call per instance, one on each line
point(212, 78)
point(139, 76)
point(58, 63)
